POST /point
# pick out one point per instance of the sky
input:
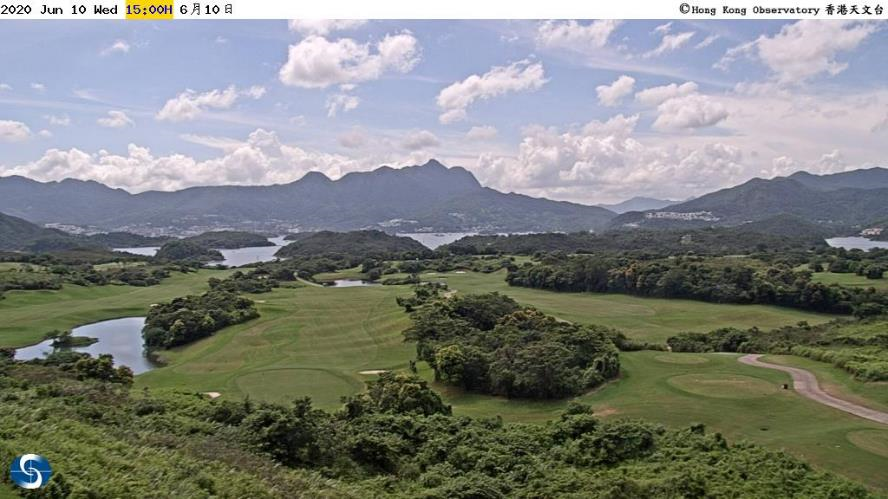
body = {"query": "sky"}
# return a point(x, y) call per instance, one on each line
point(583, 111)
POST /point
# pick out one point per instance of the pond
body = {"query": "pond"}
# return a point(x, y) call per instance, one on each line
point(856, 243)
point(121, 338)
point(351, 283)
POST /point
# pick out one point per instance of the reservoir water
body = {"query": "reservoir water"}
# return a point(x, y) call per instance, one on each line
point(121, 338)
point(861, 243)
point(232, 257)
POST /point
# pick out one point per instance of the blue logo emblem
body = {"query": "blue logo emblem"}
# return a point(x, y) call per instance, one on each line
point(30, 471)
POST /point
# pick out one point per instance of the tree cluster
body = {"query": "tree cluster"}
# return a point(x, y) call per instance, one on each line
point(189, 318)
point(488, 343)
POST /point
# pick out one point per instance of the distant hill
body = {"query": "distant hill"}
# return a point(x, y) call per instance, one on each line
point(17, 234)
point(126, 240)
point(179, 250)
point(428, 197)
point(361, 244)
point(825, 200)
point(638, 203)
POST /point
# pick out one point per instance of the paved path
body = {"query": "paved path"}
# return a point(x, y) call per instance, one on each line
point(806, 384)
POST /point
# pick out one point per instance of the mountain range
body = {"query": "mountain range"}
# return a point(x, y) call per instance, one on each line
point(433, 197)
point(429, 197)
point(845, 200)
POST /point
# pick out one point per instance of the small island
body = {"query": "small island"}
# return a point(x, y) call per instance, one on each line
point(66, 339)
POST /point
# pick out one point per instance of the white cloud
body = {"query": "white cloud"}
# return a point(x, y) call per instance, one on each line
point(190, 104)
point(38, 87)
point(654, 96)
point(118, 47)
point(481, 133)
point(663, 28)
point(221, 40)
point(45, 134)
point(422, 139)
point(13, 131)
point(54, 120)
point(116, 119)
point(323, 27)
point(804, 49)
point(706, 42)
point(671, 43)
point(575, 36)
point(341, 102)
point(5, 86)
point(316, 62)
point(605, 157)
point(355, 138)
point(520, 76)
point(261, 159)
point(611, 95)
point(689, 111)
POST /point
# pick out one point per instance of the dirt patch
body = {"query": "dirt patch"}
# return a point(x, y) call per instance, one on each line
point(213, 395)
point(373, 372)
point(605, 412)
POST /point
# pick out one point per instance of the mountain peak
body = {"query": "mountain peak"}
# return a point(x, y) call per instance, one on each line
point(433, 163)
point(315, 177)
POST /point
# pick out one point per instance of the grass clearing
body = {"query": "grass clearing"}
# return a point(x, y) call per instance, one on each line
point(850, 279)
point(26, 316)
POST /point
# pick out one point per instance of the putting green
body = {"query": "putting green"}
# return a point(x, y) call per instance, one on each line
point(875, 441)
point(682, 358)
point(728, 386)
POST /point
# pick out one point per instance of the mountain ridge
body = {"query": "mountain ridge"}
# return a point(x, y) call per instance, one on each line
point(421, 197)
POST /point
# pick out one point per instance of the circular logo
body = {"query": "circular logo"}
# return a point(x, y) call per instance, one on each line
point(30, 471)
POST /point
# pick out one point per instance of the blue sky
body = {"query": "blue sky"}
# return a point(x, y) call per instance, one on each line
point(582, 111)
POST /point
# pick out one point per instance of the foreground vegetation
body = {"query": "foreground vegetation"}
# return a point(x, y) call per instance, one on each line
point(397, 439)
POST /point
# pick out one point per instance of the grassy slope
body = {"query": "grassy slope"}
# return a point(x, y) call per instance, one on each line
point(26, 316)
point(308, 341)
point(649, 319)
point(850, 280)
point(741, 402)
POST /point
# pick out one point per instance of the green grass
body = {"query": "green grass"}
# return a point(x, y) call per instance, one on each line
point(352, 273)
point(26, 316)
point(308, 341)
point(740, 401)
point(850, 280)
point(647, 319)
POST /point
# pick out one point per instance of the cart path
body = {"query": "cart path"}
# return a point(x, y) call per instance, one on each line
point(805, 383)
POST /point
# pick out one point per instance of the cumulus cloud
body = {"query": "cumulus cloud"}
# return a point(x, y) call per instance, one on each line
point(5, 86)
point(341, 102)
point(54, 120)
point(688, 112)
point(486, 132)
point(670, 43)
point(654, 96)
point(663, 28)
point(422, 139)
point(190, 104)
point(116, 119)
point(804, 49)
point(323, 27)
point(611, 95)
point(260, 159)
point(13, 131)
point(45, 133)
point(317, 62)
point(606, 157)
point(118, 47)
point(521, 76)
point(38, 87)
point(575, 36)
